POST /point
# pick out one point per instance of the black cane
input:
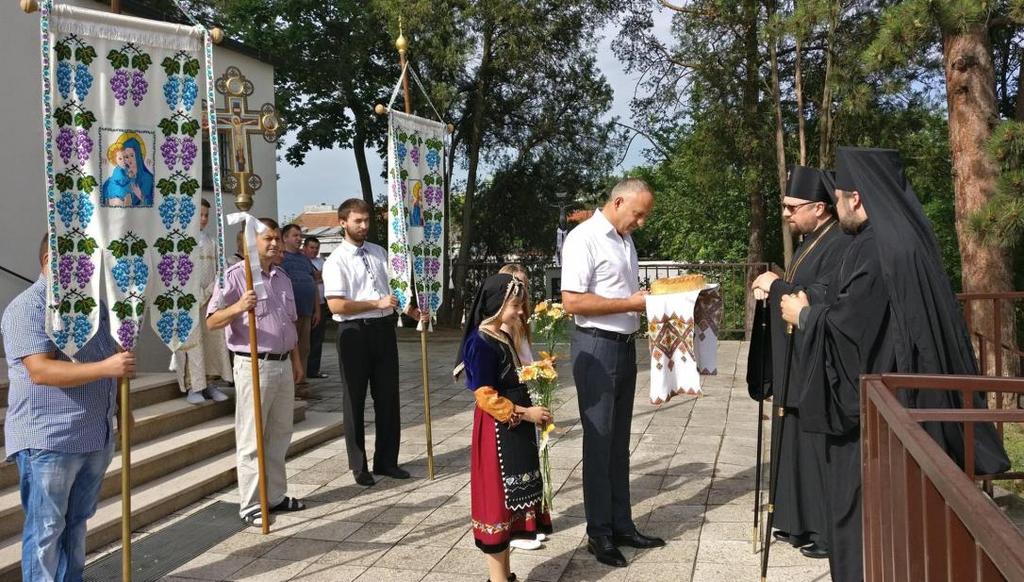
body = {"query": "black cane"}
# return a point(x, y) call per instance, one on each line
point(778, 423)
point(755, 537)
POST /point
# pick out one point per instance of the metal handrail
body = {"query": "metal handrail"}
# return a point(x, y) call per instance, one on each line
point(924, 518)
point(18, 275)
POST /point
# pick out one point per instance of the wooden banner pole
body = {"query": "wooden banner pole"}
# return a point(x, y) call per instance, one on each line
point(257, 403)
point(124, 427)
point(403, 45)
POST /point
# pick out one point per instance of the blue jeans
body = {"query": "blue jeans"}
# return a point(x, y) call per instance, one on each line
point(58, 494)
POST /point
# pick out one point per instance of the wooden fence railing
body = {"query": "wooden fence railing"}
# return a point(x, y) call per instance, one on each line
point(925, 519)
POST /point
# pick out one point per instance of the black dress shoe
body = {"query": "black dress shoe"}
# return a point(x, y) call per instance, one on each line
point(394, 472)
point(605, 551)
point(638, 540)
point(364, 478)
point(795, 541)
point(780, 536)
point(814, 551)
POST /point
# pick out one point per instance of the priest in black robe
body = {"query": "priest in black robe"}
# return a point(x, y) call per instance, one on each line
point(889, 308)
point(809, 210)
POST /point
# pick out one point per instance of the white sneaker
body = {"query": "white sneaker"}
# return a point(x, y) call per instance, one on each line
point(521, 544)
point(195, 398)
point(215, 394)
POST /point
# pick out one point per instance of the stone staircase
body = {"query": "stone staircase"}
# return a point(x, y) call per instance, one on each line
point(180, 454)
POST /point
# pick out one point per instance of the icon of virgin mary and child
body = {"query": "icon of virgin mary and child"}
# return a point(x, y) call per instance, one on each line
point(130, 179)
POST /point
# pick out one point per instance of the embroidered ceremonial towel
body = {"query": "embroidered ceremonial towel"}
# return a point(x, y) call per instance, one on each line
point(707, 318)
point(673, 360)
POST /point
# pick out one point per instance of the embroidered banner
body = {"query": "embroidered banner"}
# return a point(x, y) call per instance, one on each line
point(121, 141)
point(416, 210)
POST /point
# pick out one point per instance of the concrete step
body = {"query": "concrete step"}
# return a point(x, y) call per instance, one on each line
point(146, 390)
point(150, 461)
point(173, 492)
point(159, 410)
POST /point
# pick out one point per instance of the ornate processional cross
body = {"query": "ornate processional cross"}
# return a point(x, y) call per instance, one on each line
point(237, 122)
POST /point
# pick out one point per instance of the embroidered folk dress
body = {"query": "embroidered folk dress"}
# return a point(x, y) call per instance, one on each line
point(505, 479)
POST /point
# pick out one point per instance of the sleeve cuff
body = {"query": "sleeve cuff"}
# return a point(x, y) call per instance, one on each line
point(802, 318)
point(499, 407)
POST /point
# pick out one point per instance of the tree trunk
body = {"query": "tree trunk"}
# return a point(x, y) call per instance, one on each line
point(798, 87)
point(973, 113)
point(473, 155)
point(825, 119)
point(447, 307)
point(780, 138)
point(365, 185)
point(752, 149)
point(1018, 105)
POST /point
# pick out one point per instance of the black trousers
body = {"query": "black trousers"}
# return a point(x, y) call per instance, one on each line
point(605, 374)
point(368, 358)
point(316, 343)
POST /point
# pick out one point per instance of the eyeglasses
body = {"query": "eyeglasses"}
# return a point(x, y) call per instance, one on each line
point(792, 208)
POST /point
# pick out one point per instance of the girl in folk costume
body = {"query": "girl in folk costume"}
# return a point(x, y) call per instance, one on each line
point(207, 357)
point(505, 478)
point(524, 350)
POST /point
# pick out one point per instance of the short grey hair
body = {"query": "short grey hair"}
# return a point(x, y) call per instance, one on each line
point(629, 186)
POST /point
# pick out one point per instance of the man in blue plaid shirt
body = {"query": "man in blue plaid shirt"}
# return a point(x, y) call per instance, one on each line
point(59, 430)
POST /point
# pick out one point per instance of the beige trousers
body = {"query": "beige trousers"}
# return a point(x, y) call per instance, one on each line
point(277, 391)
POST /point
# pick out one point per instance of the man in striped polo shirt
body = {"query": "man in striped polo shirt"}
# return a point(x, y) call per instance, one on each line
point(59, 430)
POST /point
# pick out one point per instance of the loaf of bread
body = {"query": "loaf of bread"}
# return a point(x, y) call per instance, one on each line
point(681, 284)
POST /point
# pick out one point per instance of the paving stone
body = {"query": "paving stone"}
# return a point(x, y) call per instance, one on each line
point(212, 567)
point(691, 475)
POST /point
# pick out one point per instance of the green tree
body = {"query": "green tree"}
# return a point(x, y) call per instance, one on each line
point(965, 32)
point(515, 86)
point(333, 62)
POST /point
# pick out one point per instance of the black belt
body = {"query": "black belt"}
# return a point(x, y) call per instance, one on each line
point(605, 334)
point(384, 320)
point(264, 356)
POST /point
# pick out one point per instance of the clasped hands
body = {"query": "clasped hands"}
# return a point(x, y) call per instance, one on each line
point(792, 304)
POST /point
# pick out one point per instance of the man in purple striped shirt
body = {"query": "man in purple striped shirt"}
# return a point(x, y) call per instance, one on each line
point(280, 368)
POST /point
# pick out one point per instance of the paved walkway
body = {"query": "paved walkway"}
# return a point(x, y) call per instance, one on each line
point(692, 467)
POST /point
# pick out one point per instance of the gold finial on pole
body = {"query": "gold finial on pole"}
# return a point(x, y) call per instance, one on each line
point(217, 35)
point(29, 6)
point(380, 109)
point(401, 43)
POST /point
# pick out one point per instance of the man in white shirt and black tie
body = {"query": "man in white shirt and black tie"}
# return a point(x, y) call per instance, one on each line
point(601, 288)
point(358, 293)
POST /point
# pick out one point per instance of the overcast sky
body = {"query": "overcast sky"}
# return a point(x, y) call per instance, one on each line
point(329, 176)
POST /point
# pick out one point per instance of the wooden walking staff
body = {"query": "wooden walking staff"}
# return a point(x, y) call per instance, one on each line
point(778, 425)
point(243, 201)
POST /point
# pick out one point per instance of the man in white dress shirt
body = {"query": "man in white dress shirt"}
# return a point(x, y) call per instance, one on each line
point(358, 292)
point(601, 288)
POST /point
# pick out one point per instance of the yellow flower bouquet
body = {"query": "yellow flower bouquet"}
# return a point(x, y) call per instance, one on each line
point(541, 381)
point(549, 327)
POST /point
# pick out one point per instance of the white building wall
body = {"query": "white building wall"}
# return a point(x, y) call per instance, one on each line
point(22, 183)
